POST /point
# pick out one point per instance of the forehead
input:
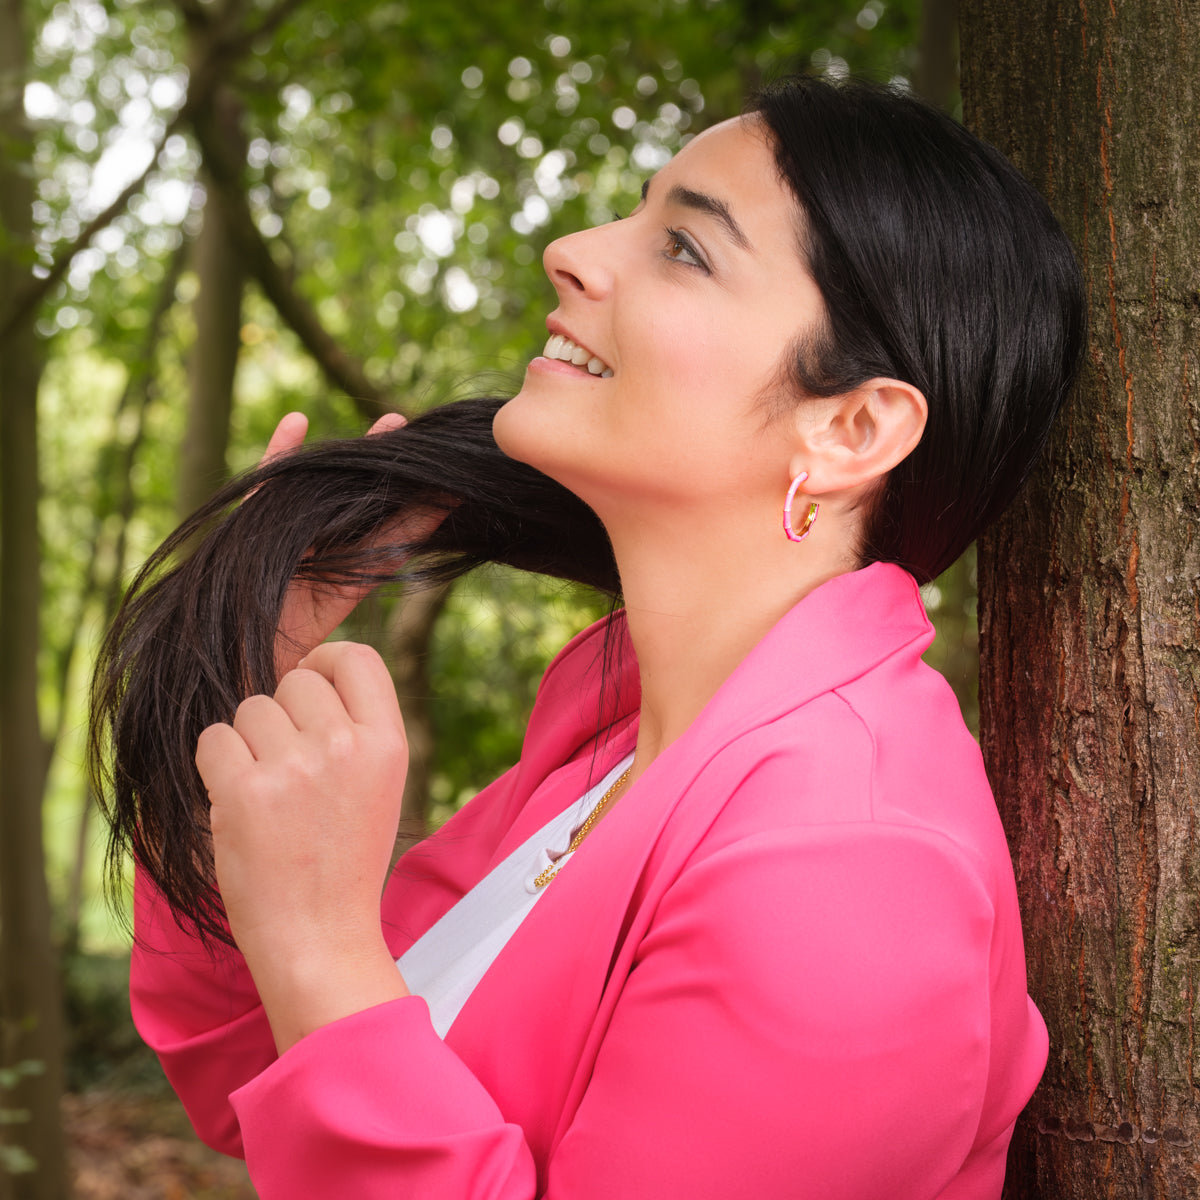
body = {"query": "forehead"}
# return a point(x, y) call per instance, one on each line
point(735, 162)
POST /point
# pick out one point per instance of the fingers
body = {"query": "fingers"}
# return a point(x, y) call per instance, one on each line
point(293, 428)
point(310, 702)
point(388, 422)
point(221, 756)
point(339, 685)
point(288, 435)
point(265, 726)
point(360, 678)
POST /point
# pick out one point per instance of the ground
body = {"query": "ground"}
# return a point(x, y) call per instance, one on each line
point(127, 1134)
point(138, 1145)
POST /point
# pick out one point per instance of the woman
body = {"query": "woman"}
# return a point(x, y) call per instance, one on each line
point(782, 957)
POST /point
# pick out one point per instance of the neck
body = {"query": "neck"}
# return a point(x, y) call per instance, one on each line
point(698, 599)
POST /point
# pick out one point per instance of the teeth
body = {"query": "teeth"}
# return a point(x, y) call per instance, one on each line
point(565, 350)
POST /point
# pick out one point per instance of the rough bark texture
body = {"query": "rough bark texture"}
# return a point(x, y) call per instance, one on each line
point(1089, 605)
point(30, 1009)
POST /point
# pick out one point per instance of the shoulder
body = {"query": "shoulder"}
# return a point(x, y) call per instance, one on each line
point(889, 746)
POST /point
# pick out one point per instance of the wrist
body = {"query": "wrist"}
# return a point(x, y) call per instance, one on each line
point(304, 989)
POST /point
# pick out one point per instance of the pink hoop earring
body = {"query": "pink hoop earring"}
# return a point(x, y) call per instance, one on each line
point(810, 517)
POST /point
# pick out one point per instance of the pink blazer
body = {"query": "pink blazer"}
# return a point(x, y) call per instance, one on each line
point(787, 964)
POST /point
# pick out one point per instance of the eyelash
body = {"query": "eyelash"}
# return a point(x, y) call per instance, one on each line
point(677, 241)
point(681, 242)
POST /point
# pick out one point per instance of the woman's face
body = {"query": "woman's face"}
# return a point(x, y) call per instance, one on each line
point(685, 310)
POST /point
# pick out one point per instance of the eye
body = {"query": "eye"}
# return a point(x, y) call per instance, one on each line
point(681, 249)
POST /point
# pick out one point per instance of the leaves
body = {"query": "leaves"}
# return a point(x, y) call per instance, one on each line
point(406, 165)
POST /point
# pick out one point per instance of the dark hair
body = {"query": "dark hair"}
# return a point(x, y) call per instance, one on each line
point(939, 265)
point(194, 637)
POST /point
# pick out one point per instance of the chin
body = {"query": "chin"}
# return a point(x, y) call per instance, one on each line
point(527, 430)
point(523, 430)
point(507, 428)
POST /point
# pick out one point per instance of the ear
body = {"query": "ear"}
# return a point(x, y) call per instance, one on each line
point(852, 440)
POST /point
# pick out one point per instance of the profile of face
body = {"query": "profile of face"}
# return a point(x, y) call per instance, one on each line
point(685, 311)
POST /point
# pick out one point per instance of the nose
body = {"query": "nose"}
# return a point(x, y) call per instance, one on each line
point(578, 266)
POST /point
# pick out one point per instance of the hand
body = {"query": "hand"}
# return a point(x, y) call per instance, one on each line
point(305, 789)
point(311, 613)
point(290, 432)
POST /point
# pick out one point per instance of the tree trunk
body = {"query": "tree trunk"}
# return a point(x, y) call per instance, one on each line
point(1089, 601)
point(936, 75)
point(408, 644)
point(30, 1005)
point(220, 268)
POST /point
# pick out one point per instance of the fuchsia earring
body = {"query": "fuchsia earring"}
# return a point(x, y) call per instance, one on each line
point(810, 517)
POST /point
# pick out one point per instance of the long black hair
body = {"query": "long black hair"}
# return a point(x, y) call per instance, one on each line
point(938, 265)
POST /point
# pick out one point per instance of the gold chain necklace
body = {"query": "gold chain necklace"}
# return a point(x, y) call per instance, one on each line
point(582, 832)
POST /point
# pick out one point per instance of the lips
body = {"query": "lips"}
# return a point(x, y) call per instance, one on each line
point(563, 349)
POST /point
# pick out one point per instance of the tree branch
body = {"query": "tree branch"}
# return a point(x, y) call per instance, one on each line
point(201, 84)
point(35, 291)
point(271, 21)
point(194, 13)
point(340, 368)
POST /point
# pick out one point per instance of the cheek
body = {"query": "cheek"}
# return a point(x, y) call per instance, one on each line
point(716, 379)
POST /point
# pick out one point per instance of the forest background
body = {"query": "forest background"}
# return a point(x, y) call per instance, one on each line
point(215, 212)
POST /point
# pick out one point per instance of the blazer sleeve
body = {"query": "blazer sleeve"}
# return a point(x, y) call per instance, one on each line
point(808, 1015)
point(197, 1007)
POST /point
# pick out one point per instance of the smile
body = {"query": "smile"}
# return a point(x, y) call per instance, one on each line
point(565, 350)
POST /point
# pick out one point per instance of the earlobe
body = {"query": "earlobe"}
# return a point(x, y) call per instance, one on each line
point(860, 436)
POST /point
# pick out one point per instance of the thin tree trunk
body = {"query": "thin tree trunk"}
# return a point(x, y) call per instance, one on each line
point(409, 640)
point(31, 1044)
point(220, 268)
point(117, 496)
point(936, 76)
point(1090, 597)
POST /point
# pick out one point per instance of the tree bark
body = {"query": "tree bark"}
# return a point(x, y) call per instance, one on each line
point(212, 364)
point(31, 1038)
point(217, 308)
point(936, 75)
point(1089, 600)
point(409, 641)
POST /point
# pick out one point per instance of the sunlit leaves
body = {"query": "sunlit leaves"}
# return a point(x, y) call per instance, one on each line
point(408, 163)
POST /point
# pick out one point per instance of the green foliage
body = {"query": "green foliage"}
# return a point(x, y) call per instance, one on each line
point(103, 1046)
point(408, 163)
point(16, 1160)
point(499, 630)
point(951, 603)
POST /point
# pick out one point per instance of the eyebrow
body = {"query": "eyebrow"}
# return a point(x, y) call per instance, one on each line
point(702, 202)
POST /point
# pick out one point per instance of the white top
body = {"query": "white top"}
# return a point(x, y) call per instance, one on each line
point(453, 955)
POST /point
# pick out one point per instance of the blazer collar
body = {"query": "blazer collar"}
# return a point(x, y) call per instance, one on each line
point(837, 632)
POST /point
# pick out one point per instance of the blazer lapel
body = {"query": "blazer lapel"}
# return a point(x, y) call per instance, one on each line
point(539, 1015)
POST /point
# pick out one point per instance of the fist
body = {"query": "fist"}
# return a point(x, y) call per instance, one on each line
point(305, 788)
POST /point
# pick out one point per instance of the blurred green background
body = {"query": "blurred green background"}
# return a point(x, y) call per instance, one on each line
point(332, 208)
